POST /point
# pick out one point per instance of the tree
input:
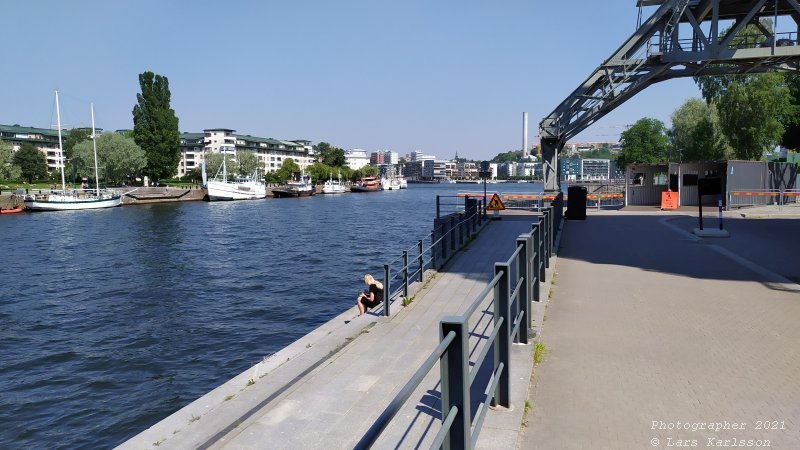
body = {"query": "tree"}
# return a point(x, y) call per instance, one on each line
point(288, 168)
point(329, 155)
point(214, 164)
point(155, 126)
point(8, 170)
point(511, 156)
point(118, 158)
point(75, 136)
point(246, 163)
point(750, 110)
point(31, 162)
point(708, 142)
point(645, 142)
point(684, 133)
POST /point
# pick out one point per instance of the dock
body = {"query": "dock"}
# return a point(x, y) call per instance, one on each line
point(644, 324)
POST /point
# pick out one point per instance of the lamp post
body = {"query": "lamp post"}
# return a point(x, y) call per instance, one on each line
point(484, 173)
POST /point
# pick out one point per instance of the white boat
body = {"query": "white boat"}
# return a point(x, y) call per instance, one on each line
point(334, 187)
point(391, 184)
point(74, 199)
point(403, 182)
point(242, 188)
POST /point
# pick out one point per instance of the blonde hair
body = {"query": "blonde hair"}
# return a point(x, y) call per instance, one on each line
point(369, 280)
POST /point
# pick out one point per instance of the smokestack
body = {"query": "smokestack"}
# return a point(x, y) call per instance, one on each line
point(525, 151)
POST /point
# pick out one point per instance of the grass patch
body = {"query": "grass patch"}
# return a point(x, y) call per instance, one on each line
point(544, 318)
point(228, 397)
point(157, 443)
point(408, 300)
point(251, 382)
point(194, 418)
point(538, 352)
point(308, 345)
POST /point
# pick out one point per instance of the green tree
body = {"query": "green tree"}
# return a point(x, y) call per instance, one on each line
point(708, 143)
point(155, 126)
point(31, 162)
point(74, 137)
point(288, 168)
point(750, 110)
point(247, 163)
point(214, 165)
point(684, 133)
point(8, 170)
point(645, 142)
point(118, 158)
point(512, 156)
point(320, 172)
point(329, 155)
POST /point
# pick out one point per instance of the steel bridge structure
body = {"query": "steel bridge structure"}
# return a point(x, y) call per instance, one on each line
point(682, 38)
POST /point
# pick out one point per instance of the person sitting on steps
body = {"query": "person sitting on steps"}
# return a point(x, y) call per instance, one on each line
point(371, 297)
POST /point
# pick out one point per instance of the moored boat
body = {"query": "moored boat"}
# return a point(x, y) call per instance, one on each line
point(242, 188)
point(367, 184)
point(299, 186)
point(334, 187)
point(17, 209)
point(70, 200)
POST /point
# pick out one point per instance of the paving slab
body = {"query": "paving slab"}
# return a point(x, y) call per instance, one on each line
point(654, 335)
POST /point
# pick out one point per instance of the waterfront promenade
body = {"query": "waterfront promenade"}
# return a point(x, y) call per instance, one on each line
point(650, 329)
point(326, 389)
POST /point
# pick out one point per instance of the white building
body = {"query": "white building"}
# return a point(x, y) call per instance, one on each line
point(356, 158)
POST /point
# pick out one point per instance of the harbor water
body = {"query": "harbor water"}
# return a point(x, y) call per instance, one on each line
point(110, 320)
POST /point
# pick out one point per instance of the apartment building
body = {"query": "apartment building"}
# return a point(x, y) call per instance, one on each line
point(270, 152)
point(44, 139)
point(356, 158)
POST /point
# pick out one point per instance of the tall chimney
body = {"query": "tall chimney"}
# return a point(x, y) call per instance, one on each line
point(525, 151)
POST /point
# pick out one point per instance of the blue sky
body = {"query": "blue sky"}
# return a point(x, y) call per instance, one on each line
point(437, 76)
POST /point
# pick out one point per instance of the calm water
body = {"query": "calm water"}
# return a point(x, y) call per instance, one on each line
point(111, 320)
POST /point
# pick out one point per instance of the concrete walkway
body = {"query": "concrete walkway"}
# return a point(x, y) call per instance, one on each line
point(654, 336)
point(325, 390)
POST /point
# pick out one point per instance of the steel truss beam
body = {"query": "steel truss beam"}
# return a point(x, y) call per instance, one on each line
point(659, 51)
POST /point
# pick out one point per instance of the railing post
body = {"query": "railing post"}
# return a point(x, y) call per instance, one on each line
point(443, 240)
point(452, 235)
point(523, 299)
point(405, 273)
point(387, 290)
point(461, 233)
point(433, 251)
point(546, 238)
point(437, 207)
point(537, 260)
point(502, 345)
point(421, 261)
point(454, 369)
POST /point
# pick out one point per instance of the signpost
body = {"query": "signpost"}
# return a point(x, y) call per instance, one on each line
point(496, 205)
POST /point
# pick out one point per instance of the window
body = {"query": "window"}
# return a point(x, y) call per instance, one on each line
point(660, 179)
point(638, 178)
point(690, 179)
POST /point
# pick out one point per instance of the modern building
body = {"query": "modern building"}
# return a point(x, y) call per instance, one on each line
point(595, 169)
point(356, 158)
point(44, 139)
point(391, 157)
point(377, 158)
point(468, 170)
point(270, 152)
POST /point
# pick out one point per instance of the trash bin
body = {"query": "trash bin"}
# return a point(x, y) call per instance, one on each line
point(576, 203)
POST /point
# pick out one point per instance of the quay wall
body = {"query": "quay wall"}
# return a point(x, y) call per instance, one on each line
point(145, 195)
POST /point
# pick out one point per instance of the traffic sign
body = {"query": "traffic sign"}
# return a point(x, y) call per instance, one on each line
point(495, 204)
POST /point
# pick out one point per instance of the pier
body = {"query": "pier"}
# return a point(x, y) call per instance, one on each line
point(646, 322)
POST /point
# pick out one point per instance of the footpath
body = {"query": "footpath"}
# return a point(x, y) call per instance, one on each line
point(326, 389)
point(658, 339)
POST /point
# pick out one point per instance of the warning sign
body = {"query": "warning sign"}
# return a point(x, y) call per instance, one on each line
point(495, 204)
point(669, 200)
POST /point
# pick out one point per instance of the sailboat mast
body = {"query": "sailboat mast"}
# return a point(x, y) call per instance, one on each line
point(94, 144)
point(60, 147)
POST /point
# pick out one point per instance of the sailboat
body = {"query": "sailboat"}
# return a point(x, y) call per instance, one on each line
point(242, 188)
point(64, 200)
point(334, 187)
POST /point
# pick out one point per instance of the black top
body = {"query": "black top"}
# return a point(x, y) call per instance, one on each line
point(378, 292)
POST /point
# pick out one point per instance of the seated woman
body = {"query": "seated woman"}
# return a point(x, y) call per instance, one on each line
point(371, 296)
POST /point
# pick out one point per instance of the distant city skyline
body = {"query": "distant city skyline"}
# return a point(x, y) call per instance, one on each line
point(441, 77)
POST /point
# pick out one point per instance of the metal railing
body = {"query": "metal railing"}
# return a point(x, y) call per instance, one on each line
point(411, 265)
point(605, 196)
point(452, 204)
point(762, 197)
point(514, 285)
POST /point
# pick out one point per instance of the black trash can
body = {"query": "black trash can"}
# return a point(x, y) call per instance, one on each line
point(576, 203)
